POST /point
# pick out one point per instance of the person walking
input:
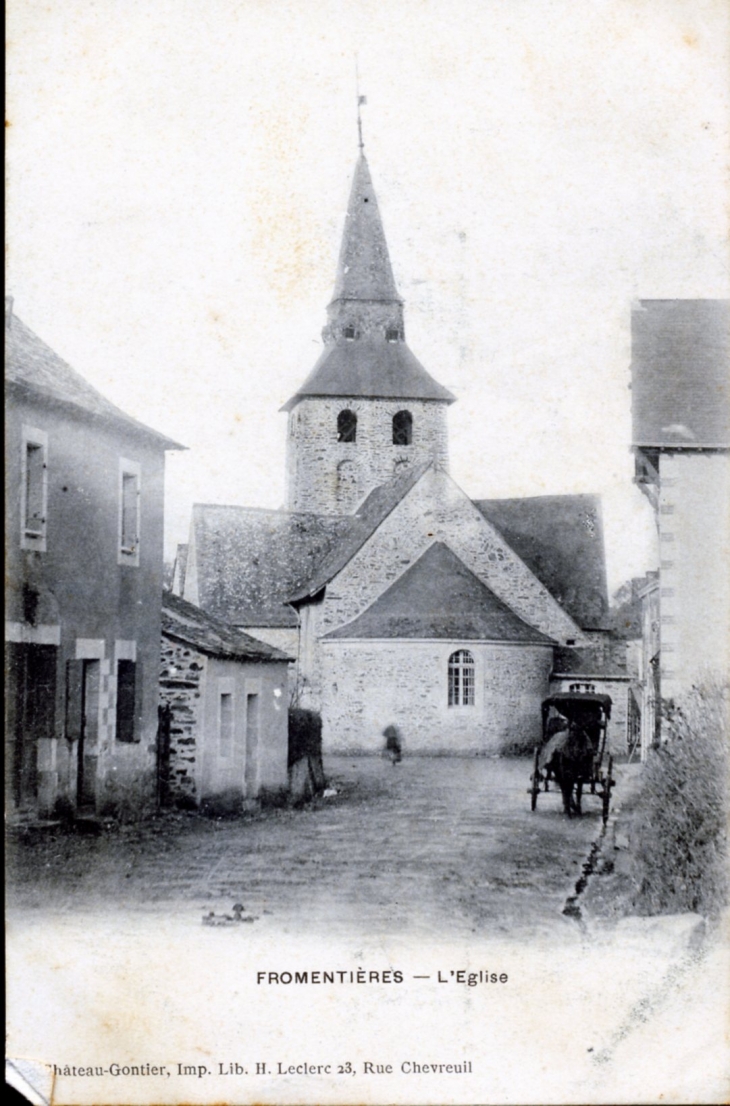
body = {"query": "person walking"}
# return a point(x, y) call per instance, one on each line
point(393, 744)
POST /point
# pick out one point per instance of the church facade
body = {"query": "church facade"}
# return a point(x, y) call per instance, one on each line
point(404, 600)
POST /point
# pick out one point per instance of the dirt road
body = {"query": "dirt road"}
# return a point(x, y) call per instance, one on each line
point(440, 846)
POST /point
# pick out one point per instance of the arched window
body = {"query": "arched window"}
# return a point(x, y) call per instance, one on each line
point(402, 428)
point(346, 426)
point(461, 679)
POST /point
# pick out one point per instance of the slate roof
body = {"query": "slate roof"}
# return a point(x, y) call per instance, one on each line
point(187, 623)
point(249, 561)
point(560, 538)
point(680, 373)
point(32, 365)
point(363, 270)
point(370, 366)
point(607, 659)
point(360, 526)
point(439, 597)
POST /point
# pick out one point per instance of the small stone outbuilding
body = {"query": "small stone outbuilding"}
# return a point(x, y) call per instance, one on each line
point(223, 712)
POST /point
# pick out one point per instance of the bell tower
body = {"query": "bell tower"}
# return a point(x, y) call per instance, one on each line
point(368, 410)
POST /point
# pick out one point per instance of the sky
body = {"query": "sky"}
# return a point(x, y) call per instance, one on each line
point(178, 176)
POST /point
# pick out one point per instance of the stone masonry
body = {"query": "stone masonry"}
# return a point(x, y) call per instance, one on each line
point(435, 509)
point(510, 681)
point(182, 676)
point(326, 476)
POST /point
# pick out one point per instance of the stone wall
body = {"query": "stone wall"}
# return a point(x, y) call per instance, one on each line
point(434, 510)
point(203, 767)
point(182, 683)
point(330, 477)
point(370, 684)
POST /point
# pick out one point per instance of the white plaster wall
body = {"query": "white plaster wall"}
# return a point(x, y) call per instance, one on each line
point(694, 596)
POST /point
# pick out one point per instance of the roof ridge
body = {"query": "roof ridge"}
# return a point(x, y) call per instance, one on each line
point(345, 549)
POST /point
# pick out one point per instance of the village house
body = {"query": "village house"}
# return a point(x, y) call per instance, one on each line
point(681, 442)
point(223, 727)
point(84, 517)
point(404, 600)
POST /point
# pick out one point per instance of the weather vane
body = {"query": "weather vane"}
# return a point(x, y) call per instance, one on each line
point(360, 101)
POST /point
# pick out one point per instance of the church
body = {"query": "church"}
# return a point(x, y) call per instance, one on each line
point(403, 600)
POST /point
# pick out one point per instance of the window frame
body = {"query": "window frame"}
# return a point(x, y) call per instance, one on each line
point(33, 438)
point(129, 554)
point(461, 679)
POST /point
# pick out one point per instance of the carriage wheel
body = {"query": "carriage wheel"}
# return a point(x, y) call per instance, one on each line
point(535, 789)
point(608, 784)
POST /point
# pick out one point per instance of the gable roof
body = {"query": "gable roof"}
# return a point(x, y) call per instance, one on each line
point(560, 539)
point(187, 623)
point(370, 366)
point(360, 526)
point(439, 597)
point(680, 373)
point(249, 560)
point(33, 366)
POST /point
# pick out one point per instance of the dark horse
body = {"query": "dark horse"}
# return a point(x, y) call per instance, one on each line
point(571, 763)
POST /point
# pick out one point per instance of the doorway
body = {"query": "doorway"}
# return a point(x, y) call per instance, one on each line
point(31, 710)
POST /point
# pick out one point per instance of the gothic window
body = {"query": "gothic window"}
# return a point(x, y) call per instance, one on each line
point(402, 428)
point(461, 679)
point(347, 487)
point(346, 426)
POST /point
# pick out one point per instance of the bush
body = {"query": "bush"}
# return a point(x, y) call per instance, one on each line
point(681, 813)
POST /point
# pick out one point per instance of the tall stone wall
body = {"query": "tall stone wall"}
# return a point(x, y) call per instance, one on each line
point(327, 476)
point(370, 684)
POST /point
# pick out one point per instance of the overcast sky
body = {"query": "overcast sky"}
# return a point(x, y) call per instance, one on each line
point(178, 177)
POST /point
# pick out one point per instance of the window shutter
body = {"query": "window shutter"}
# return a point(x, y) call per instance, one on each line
point(74, 700)
point(126, 700)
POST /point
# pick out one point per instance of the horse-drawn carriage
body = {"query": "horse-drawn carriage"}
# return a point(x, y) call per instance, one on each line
point(574, 728)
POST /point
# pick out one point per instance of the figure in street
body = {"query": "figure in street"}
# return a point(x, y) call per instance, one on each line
point(393, 744)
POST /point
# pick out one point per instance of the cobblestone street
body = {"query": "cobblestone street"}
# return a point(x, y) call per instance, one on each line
point(440, 846)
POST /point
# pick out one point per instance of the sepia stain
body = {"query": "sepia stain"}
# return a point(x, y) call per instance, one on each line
point(690, 38)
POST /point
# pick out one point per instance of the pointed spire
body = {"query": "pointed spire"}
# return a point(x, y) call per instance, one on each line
point(364, 271)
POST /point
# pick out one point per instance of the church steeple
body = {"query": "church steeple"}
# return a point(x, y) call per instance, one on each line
point(368, 409)
point(363, 270)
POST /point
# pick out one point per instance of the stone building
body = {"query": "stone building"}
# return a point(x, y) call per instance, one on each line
point(404, 600)
point(681, 442)
point(84, 518)
point(224, 732)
